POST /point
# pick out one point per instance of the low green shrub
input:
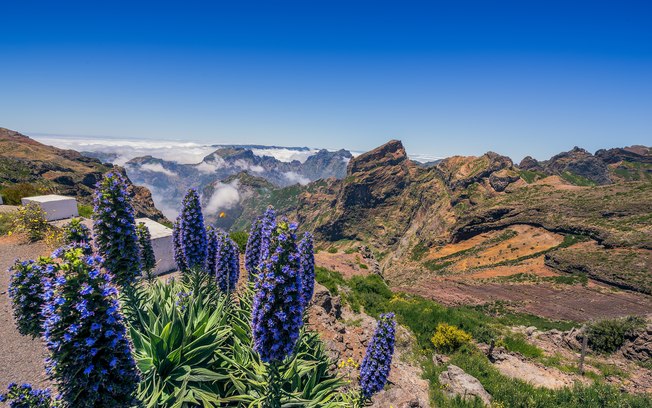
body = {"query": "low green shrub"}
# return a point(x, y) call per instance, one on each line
point(240, 238)
point(607, 336)
point(518, 344)
point(12, 194)
point(330, 279)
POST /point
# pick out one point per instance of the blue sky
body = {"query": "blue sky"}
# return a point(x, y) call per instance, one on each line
point(456, 77)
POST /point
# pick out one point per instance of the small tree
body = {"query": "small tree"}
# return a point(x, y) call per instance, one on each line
point(26, 288)
point(115, 230)
point(147, 258)
point(90, 353)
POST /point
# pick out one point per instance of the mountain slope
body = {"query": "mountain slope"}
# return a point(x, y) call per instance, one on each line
point(38, 167)
point(426, 223)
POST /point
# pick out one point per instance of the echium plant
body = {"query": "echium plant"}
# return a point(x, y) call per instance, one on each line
point(147, 258)
point(179, 257)
point(115, 231)
point(25, 396)
point(192, 231)
point(378, 358)
point(26, 288)
point(90, 353)
point(307, 268)
point(212, 245)
point(277, 309)
point(75, 232)
point(227, 269)
point(258, 242)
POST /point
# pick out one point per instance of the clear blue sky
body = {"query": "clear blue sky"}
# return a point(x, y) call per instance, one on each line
point(454, 77)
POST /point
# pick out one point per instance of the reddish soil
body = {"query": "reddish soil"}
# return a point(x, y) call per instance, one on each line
point(347, 264)
point(559, 302)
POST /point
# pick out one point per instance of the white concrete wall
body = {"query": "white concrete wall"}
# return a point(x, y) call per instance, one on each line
point(56, 207)
point(161, 244)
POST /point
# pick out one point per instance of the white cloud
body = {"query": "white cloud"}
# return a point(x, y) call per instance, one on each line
point(225, 197)
point(158, 167)
point(424, 158)
point(180, 152)
point(285, 155)
point(211, 166)
point(247, 166)
point(294, 178)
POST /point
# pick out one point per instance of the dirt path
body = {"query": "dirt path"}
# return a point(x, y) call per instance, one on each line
point(21, 358)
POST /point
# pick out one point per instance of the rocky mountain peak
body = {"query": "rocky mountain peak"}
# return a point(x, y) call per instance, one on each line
point(390, 154)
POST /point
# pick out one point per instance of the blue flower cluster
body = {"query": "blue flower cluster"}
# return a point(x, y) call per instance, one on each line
point(378, 358)
point(179, 257)
point(75, 232)
point(115, 231)
point(267, 227)
point(26, 288)
point(252, 251)
point(25, 396)
point(307, 268)
point(227, 268)
point(90, 353)
point(147, 258)
point(277, 309)
point(192, 233)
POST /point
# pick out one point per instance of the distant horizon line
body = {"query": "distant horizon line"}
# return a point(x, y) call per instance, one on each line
point(422, 158)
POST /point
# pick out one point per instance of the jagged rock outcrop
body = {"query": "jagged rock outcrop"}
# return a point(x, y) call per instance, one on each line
point(639, 347)
point(375, 181)
point(581, 163)
point(455, 382)
point(529, 163)
point(640, 154)
point(499, 180)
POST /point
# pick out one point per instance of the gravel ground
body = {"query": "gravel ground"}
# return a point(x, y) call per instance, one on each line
point(21, 357)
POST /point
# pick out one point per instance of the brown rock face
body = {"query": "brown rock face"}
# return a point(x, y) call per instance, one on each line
point(375, 180)
point(639, 348)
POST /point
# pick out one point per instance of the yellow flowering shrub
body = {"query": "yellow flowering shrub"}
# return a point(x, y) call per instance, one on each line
point(449, 338)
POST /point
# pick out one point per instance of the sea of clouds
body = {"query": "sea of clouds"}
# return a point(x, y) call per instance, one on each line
point(177, 151)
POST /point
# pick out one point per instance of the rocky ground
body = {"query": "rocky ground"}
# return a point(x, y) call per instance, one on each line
point(346, 335)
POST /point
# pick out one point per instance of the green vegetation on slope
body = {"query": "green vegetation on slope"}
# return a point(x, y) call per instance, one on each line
point(422, 316)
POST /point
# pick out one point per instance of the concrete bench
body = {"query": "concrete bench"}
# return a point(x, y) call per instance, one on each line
point(55, 207)
point(161, 244)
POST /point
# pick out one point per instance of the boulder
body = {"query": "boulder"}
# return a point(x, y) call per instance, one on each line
point(639, 347)
point(331, 304)
point(456, 382)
